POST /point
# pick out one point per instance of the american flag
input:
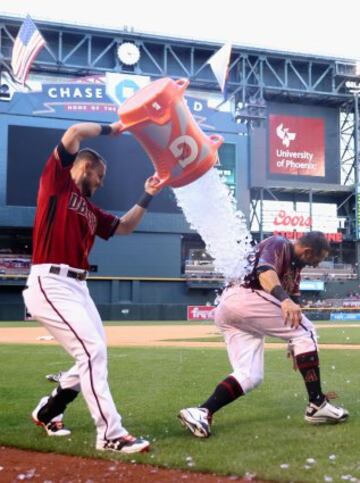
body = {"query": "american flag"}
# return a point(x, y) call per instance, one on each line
point(27, 45)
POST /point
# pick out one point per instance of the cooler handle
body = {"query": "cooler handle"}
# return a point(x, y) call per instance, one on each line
point(216, 139)
point(182, 83)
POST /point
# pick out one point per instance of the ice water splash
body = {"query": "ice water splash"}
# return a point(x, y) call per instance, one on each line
point(210, 209)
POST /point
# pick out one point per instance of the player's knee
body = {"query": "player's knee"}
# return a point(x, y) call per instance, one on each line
point(304, 344)
point(99, 352)
point(96, 352)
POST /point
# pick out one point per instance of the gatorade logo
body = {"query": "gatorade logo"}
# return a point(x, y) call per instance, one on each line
point(185, 149)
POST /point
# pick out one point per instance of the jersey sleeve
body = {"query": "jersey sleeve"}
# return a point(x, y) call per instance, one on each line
point(106, 223)
point(273, 254)
point(56, 171)
point(66, 158)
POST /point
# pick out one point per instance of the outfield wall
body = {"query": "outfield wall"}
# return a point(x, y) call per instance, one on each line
point(146, 298)
point(121, 298)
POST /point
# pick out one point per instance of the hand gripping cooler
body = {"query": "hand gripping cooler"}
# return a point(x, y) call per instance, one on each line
point(159, 118)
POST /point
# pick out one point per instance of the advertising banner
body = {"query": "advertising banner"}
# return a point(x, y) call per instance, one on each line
point(200, 312)
point(98, 97)
point(294, 225)
point(344, 316)
point(296, 145)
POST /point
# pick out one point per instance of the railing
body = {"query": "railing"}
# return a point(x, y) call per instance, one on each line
point(337, 272)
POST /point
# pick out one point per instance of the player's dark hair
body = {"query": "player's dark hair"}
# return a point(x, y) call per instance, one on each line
point(315, 240)
point(90, 155)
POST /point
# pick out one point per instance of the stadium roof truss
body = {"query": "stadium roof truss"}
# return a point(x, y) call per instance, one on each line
point(260, 75)
point(79, 51)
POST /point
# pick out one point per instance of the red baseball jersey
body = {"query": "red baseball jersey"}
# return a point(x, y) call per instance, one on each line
point(278, 253)
point(65, 221)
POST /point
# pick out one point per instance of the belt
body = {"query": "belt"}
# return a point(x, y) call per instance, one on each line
point(70, 273)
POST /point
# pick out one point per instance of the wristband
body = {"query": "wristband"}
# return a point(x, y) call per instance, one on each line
point(144, 200)
point(279, 293)
point(105, 130)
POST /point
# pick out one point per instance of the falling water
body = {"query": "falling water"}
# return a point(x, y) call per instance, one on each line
point(210, 209)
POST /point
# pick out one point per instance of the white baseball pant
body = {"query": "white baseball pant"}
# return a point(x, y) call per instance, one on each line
point(64, 306)
point(245, 317)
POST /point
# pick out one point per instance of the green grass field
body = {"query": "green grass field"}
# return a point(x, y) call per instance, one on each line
point(326, 335)
point(257, 434)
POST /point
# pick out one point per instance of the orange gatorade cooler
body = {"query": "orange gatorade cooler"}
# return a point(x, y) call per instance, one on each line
point(161, 121)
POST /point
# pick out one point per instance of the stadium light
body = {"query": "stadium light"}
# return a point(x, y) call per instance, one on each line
point(252, 112)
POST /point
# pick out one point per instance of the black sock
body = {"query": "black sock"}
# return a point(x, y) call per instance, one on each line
point(225, 392)
point(56, 404)
point(308, 365)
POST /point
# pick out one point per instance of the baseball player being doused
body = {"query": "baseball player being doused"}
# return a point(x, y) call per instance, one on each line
point(267, 304)
point(66, 224)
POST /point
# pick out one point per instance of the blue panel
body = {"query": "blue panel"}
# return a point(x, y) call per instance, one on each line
point(138, 255)
point(316, 285)
point(19, 178)
point(3, 161)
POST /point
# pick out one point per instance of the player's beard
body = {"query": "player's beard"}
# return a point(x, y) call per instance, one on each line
point(86, 189)
point(299, 263)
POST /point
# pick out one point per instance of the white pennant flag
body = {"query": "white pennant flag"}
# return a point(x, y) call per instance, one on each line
point(219, 64)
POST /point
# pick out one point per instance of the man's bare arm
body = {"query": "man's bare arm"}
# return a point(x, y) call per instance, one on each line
point(78, 132)
point(132, 218)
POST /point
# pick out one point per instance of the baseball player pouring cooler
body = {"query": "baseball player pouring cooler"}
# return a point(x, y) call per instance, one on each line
point(66, 224)
point(266, 304)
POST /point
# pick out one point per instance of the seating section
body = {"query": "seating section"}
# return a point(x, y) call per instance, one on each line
point(13, 264)
point(200, 266)
point(337, 271)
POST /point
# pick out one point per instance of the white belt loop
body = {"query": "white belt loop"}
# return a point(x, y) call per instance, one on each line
point(63, 270)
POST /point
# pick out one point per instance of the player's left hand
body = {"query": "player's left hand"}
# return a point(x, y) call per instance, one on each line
point(291, 313)
point(116, 128)
point(152, 185)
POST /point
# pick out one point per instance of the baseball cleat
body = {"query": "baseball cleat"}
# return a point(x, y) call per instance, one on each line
point(54, 377)
point(126, 444)
point(55, 427)
point(197, 420)
point(325, 413)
